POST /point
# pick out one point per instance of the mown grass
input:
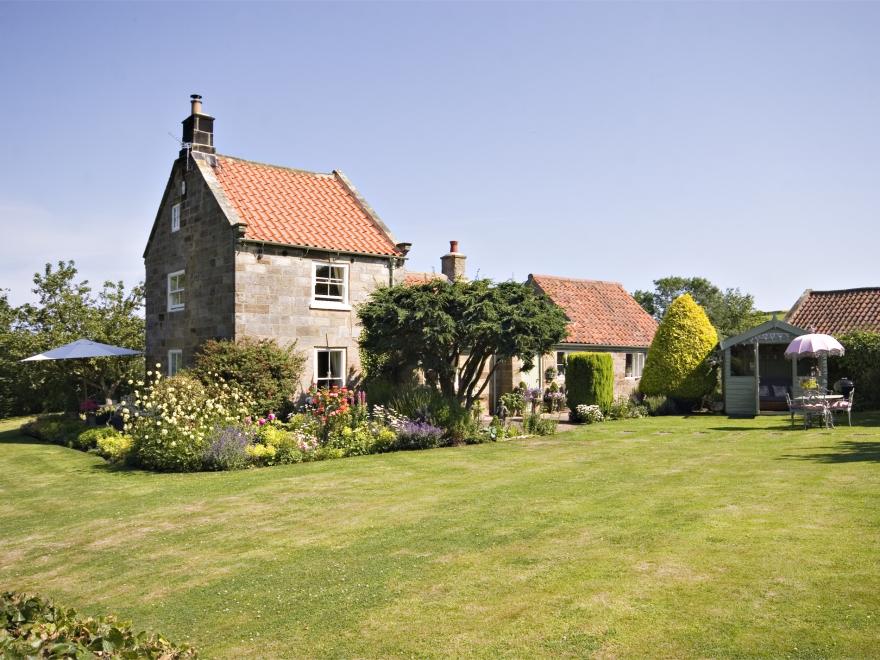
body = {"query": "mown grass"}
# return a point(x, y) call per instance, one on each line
point(667, 537)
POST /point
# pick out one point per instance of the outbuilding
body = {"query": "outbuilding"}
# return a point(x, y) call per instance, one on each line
point(756, 375)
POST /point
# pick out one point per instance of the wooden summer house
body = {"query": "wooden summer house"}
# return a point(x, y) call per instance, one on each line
point(756, 374)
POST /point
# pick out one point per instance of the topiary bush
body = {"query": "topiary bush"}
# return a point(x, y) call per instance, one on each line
point(589, 380)
point(34, 627)
point(679, 364)
point(269, 372)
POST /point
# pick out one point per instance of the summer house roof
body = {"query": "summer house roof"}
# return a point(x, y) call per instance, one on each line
point(837, 312)
point(295, 207)
point(600, 313)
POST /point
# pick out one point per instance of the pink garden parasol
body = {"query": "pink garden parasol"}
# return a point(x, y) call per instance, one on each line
point(814, 345)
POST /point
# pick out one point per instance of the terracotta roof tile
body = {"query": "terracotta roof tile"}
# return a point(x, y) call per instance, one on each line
point(413, 277)
point(600, 313)
point(837, 312)
point(294, 207)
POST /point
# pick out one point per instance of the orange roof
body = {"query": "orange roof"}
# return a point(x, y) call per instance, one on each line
point(600, 313)
point(413, 277)
point(294, 207)
point(837, 312)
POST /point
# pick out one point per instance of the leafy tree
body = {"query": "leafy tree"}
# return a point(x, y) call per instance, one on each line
point(269, 372)
point(679, 363)
point(730, 311)
point(451, 330)
point(65, 311)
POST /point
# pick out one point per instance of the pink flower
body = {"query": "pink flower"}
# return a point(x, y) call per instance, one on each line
point(261, 422)
point(271, 417)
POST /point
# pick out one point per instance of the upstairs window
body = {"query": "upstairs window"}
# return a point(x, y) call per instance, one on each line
point(176, 290)
point(635, 362)
point(175, 217)
point(330, 367)
point(330, 283)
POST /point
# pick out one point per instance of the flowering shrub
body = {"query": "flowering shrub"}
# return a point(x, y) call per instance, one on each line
point(418, 435)
point(554, 400)
point(589, 414)
point(114, 447)
point(227, 449)
point(173, 421)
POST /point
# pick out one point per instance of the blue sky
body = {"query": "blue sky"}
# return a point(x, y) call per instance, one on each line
point(619, 141)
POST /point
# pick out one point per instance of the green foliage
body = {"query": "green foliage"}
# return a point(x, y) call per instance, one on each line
point(450, 330)
point(58, 429)
point(658, 404)
point(34, 627)
point(514, 401)
point(679, 364)
point(535, 424)
point(731, 311)
point(89, 438)
point(65, 311)
point(589, 379)
point(861, 364)
point(626, 408)
point(270, 373)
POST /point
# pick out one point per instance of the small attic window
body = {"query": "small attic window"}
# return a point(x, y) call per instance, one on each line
point(175, 217)
point(182, 187)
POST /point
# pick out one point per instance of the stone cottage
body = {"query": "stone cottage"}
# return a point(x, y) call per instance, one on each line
point(603, 317)
point(245, 249)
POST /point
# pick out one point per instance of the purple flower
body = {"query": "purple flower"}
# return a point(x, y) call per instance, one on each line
point(271, 417)
point(261, 421)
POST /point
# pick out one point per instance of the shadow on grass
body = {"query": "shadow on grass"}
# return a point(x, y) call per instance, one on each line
point(16, 437)
point(850, 451)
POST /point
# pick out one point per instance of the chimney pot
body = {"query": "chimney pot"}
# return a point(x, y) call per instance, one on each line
point(196, 101)
point(453, 264)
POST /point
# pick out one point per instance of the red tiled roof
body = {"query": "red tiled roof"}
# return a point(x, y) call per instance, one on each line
point(413, 277)
point(294, 207)
point(600, 313)
point(837, 312)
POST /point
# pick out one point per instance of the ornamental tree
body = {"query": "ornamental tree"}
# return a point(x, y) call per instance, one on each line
point(450, 330)
point(66, 310)
point(679, 361)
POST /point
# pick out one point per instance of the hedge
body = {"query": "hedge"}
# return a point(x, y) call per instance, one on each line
point(589, 380)
point(861, 364)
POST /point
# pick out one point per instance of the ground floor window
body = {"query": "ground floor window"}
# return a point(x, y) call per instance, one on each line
point(560, 363)
point(330, 367)
point(635, 362)
point(175, 361)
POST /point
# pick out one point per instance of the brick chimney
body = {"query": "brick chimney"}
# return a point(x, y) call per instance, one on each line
point(198, 129)
point(452, 264)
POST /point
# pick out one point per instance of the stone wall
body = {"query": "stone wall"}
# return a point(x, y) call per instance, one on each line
point(204, 248)
point(273, 299)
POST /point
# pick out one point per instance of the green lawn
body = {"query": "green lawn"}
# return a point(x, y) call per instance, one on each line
point(661, 537)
